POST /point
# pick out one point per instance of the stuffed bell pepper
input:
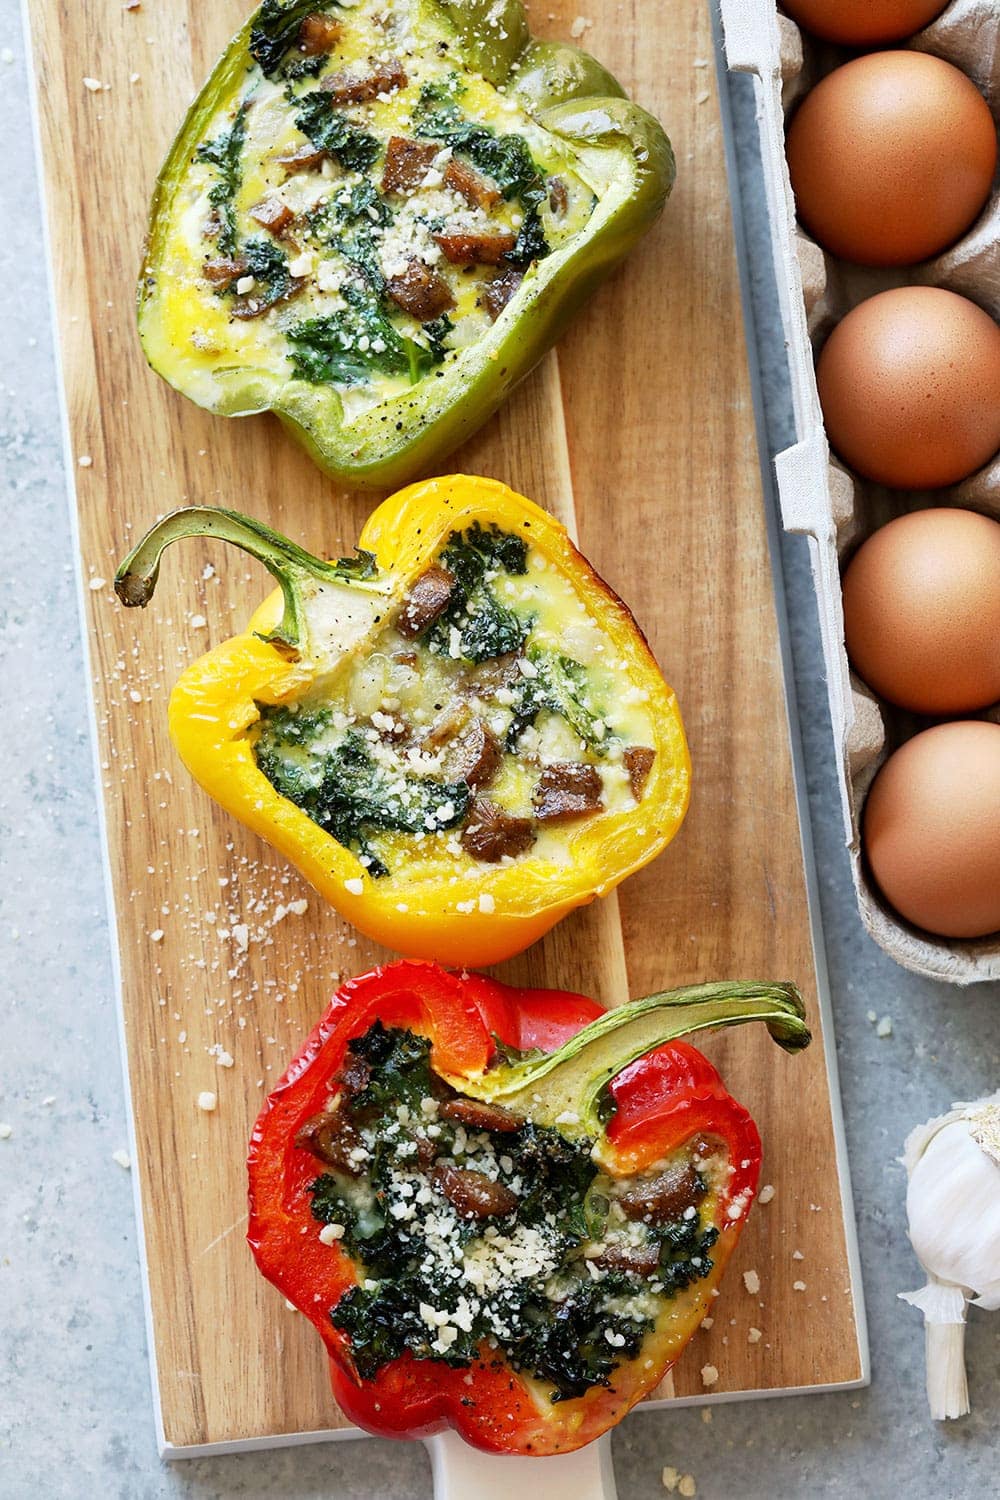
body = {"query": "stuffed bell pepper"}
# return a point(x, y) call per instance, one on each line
point(505, 1211)
point(457, 736)
point(377, 217)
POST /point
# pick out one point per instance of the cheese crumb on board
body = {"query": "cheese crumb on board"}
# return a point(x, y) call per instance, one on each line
point(207, 1100)
point(766, 1193)
point(752, 1282)
point(709, 1374)
point(6, 1131)
point(754, 1336)
point(798, 1286)
point(122, 1158)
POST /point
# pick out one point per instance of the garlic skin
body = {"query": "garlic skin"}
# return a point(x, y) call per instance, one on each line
point(953, 1208)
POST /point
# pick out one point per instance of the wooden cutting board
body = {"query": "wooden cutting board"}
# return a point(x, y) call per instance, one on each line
point(644, 418)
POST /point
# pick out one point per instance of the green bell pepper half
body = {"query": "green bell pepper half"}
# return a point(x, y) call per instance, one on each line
point(620, 151)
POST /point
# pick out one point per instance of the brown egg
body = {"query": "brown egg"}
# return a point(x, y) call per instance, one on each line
point(932, 829)
point(922, 611)
point(863, 23)
point(891, 158)
point(910, 387)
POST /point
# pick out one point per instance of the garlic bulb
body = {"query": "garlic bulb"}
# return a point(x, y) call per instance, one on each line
point(953, 1207)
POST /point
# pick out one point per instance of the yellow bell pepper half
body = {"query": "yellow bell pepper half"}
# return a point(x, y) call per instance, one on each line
point(587, 763)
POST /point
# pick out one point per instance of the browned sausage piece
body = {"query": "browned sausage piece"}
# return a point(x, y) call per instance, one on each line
point(272, 214)
point(406, 162)
point(640, 1259)
point(498, 292)
point(491, 833)
point(476, 190)
point(638, 763)
point(332, 1138)
point(224, 271)
point(446, 726)
point(421, 292)
point(346, 89)
point(663, 1198)
point(478, 1115)
point(498, 672)
point(319, 34)
point(306, 158)
point(426, 1152)
point(558, 195)
point(463, 248)
point(425, 601)
point(475, 1195)
point(567, 789)
point(355, 1075)
point(474, 756)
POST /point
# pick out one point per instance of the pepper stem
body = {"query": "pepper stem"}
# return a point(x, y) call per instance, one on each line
point(574, 1077)
point(289, 564)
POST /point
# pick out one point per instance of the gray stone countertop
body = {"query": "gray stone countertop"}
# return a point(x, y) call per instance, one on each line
point(75, 1407)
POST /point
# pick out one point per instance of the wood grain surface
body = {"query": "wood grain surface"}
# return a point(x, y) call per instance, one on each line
point(644, 419)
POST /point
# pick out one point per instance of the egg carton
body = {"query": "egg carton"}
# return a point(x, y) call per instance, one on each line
point(819, 499)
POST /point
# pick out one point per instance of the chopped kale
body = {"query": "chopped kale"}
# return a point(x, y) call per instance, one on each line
point(268, 265)
point(305, 67)
point(531, 243)
point(330, 130)
point(225, 154)
point(470, 553)
point(368, 1237)
point(561, 685)
point(348, 347)
point(684, 1248)
point(436, 332)
point(505, 158)
point(401, 1073)
point(275, 30)
point(344, 790)
point(566, 1342)
point(487, 628)
point(553, 1166)
point(347, 222)
point(491, 630)
point(384, 1323)
point(366, 201)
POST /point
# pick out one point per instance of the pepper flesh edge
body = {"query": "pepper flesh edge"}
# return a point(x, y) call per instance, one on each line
point(214, 702)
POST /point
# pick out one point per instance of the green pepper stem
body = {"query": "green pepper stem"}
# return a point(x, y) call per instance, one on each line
point(289, 564)
point(573, 1078)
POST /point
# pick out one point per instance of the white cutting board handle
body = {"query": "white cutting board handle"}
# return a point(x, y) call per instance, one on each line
point(464, 1473)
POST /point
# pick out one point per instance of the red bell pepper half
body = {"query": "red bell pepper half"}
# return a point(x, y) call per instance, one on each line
point(506, 1211)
